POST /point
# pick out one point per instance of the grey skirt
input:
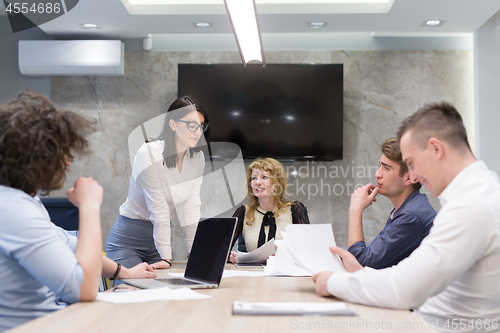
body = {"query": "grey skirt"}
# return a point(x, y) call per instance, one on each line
point(130, 242)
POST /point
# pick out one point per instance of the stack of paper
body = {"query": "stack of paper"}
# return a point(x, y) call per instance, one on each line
point(293, 309)
point(304, 250)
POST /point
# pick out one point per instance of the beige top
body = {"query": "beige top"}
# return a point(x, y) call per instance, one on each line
point(251, 232)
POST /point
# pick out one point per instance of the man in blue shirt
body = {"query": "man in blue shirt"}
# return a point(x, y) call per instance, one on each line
point(42, 267)
point(409, 221)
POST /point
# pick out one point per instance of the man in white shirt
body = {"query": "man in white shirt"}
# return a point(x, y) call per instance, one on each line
point(453, 278)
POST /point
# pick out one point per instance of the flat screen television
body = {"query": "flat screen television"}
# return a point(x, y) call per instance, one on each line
point(284, 111)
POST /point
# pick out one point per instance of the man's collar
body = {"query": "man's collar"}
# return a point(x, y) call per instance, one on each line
point(454, 188)
point(408, 198)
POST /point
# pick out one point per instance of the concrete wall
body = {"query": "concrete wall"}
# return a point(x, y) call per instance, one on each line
point(381, 88)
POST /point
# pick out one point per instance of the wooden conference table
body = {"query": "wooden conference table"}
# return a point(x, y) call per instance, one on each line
point(215, 314)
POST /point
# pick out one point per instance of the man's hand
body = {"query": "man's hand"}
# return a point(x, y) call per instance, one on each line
point(321, 280)
point(86, 193)
point(140, 271)
point(360, 199)
point(363, 197)
point(87, 196)
point(349, 261)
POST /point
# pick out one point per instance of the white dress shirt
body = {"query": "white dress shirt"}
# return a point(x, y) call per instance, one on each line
point(455, 273)
point(155, 190)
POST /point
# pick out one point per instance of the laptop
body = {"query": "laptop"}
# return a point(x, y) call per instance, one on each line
point(211, 246)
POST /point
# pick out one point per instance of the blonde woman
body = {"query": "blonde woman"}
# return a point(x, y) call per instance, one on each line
point(268, 212)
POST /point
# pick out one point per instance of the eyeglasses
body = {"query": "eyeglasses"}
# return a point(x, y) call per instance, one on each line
point(193, 126)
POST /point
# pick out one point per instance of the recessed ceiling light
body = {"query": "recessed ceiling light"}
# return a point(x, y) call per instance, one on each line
point(433, 23)
point(203, 25)
point(316, 25)
point(90, 26)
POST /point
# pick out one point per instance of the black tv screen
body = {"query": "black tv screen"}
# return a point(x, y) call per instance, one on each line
point(284, 111)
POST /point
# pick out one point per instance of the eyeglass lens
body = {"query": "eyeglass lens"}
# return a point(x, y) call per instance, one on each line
point(193, 126)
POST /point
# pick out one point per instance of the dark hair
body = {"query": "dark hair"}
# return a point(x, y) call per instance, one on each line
point(440, 120)
point(168, 135)
point(390, 149)
point(35, 141)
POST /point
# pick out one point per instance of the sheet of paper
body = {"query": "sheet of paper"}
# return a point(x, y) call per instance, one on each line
point(229, 273)
point(310, 244)
point(283, 264)
point(236, 273)
point(290, 255)
point(293, 308)
point(259, 255)
point(150, 295)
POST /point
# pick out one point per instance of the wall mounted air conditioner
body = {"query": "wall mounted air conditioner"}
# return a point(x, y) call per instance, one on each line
point(71, 57)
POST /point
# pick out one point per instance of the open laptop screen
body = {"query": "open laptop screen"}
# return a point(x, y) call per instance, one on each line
point(210, 249)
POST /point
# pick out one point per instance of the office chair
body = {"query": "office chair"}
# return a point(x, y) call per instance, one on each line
point(65, 215)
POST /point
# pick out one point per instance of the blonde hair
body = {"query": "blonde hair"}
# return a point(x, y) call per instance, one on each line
point(278, 177)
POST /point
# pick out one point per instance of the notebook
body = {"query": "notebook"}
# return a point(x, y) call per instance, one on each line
point(207, 259)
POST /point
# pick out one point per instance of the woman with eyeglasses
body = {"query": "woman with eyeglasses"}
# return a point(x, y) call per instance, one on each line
point(167, 171)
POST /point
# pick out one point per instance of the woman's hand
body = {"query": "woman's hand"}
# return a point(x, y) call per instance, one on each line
point(140, 271)
point(161, 265)
point(232, 258)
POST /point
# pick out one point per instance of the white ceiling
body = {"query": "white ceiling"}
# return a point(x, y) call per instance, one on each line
point(404, 18)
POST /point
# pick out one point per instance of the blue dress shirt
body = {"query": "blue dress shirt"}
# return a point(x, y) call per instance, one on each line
point(404, 231)
point(39, 272)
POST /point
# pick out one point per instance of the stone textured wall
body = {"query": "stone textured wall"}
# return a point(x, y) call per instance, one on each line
point(381, 88)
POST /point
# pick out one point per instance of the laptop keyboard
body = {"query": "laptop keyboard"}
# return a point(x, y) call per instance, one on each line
point(177, 281)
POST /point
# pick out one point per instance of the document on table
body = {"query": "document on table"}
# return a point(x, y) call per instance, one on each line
point(150, 295)
point(293, 309)
point(259, 255)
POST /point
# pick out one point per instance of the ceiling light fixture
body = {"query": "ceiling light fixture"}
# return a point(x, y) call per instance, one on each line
point(316, 25)
point(243, 18)
point(90, 26)
point(433, 22)
point(203, 25)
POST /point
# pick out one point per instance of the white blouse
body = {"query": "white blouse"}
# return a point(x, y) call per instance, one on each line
point(155, 191)
point(251, 232)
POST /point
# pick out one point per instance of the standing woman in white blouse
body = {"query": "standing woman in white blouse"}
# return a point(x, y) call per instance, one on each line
point(166, 172)
point(268, 211)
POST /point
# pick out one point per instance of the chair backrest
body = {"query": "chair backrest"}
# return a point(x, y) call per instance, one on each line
point(65, 215)
point(62, 212)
